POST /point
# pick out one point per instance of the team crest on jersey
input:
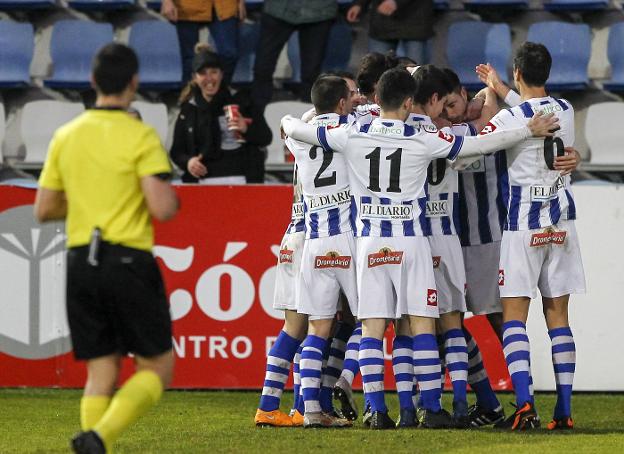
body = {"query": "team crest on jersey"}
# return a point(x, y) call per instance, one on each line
point(428, 128)
point(332, 260)
point(446, 136)
point(432, 297)
point(436, 261)
point(385, 256)
point(501, 278)
point(489, 128)
point(286, 255)
point(548, 236)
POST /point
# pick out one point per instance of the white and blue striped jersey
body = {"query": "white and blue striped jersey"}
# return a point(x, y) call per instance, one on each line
point(324, 183)
point(388, 162)
point(481, 209)
point(441, 214)
point(534, 194)
point(297, 223)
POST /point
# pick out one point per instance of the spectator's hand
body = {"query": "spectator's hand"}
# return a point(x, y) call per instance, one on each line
point(196, 168)
point(169, 10)
point(474, 108)
point(488, 75)
point(239, 124)
point(353, 15)
point(242, 10)
point(387, 7)
point(568, 162)
point(442, 123)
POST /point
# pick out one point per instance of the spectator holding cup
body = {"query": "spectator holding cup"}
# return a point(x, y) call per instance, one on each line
point(218, 135)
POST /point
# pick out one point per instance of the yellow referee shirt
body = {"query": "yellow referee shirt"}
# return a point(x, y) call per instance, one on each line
point(98, 160)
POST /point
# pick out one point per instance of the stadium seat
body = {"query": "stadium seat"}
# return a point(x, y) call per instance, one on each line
point(604, 132)
point(575, 5)
point(472, 42)
point(615, 52)
point(17, 5)
point(273, 114)
point(17, 43)
point(509, 4)
point(48, 116)
point(155, 115)
point(101, 5)
point(72, 47)
point(160, 63)
point(570, 47)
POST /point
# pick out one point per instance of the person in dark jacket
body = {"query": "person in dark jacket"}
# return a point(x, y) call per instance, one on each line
point(210, 145)
point(395, 24)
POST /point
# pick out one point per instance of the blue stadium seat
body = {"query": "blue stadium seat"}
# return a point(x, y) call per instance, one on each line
point(509, 4)
point(72, 47)
point(615, 51)
point(101, 5)
point(575, 5)
point(17, 43)
point(160, 63)
point(26, 4)
point(570, 48)
point(472, 42)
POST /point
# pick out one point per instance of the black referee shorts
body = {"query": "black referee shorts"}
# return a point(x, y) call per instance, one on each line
point(120, 306)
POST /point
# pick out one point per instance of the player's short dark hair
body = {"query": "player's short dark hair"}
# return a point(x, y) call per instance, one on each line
point(452, 79)
point(343, 74)
point(430, 79)
point(394, 86)
point(534, 62)
point(372, 66)
point(404, 62)
point(327, 92)
point(113, 68)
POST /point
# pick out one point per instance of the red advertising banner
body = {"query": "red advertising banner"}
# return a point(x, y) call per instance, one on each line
point(218, 259)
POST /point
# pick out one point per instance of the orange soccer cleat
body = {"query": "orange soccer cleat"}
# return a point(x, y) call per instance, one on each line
point(561, 424)
point(275, 418)
point(297, 419)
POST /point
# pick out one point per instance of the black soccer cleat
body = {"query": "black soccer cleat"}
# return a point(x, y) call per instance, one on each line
point(461, 420)
point(524, 418)
point(380, 420)
point(88, 443)
point(429, 419)
point(481, 416)
point(345, 397)
point(407, 419)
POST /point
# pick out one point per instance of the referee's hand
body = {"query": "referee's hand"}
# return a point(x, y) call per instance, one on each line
point(196, 168)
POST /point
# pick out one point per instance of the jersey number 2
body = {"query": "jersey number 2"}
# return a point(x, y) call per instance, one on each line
point(553, 146)
point(395, 170)
point(320, 181)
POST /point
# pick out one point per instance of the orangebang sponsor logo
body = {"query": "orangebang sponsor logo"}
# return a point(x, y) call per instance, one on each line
point(332, 260)
point(385, 256)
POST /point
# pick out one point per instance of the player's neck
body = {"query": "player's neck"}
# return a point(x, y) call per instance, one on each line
point(392, 115)
point(120, 101)
point(419, 110)
point(527, 93)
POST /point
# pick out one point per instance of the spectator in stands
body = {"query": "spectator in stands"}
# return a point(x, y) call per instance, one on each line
point(396, 24)
point(207, 146)
point(222, 18)
point(280, 18)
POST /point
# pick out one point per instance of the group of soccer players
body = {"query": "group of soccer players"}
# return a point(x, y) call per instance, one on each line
point(411, 209)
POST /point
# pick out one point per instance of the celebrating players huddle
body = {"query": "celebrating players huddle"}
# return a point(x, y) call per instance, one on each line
point(412, 209)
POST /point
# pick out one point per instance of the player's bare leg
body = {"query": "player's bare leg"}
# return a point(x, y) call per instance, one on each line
point(102, 376)
point(563, 357)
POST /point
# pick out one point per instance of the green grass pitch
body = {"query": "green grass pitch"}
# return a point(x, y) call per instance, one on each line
point(43, 421)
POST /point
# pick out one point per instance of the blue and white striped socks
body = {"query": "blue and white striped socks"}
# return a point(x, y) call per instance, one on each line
point(277, 370)
point(310, 370)
point(427, 370)
point(296, 378)
point(564, 363)
point(351, 366)
point(371, 359)
point(332, 367)
point(403, 368)
point(478, 377)
point(518, 357)
point(456, 355)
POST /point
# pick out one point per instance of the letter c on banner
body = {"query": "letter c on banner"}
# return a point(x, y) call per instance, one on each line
point(208, 292)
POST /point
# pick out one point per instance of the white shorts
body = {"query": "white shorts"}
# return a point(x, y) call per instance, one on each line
point(395, 278)
point(548, 259)
point(481, 263)
point(288, 265)
point(327, 267)
point(449, 273)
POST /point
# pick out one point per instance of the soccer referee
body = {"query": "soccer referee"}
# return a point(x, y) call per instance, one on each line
point(108, 175)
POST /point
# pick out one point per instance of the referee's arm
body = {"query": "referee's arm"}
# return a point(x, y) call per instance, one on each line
point(162, 201)
point(50, 205)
